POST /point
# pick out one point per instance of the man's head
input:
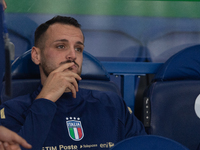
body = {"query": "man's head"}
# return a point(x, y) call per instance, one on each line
point(40, 31)
point(58, 41)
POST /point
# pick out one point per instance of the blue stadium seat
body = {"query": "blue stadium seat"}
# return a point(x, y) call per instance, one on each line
point(113, 45)
point(148, 142)
point(170, 100)
point(25, 76)
point(21, 32)
point(163, 47)
point(167, 36)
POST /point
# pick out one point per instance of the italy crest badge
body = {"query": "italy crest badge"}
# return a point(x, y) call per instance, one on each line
point(75, 129)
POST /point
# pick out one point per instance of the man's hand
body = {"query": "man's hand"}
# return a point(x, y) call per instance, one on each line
point(59, 81)
point(9, 140)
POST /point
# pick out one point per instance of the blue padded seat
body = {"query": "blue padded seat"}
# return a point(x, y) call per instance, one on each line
point(184, 65)
point(113, 45)
point(21, 32)
point(169, 101)
point(170, 40)
point(148, 142)
point(26, 77)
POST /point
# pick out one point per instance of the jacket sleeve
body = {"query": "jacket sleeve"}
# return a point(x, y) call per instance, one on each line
point(133, 126)
point(129, 123)
point(32, 122)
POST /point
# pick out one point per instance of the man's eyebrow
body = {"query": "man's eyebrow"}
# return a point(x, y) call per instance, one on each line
point(64, 40)
point(61, 40)
point(80, 43)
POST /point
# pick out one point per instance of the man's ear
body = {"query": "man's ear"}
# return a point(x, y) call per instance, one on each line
point(35, 55)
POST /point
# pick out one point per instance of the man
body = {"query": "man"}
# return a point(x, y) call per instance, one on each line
point(59, 115)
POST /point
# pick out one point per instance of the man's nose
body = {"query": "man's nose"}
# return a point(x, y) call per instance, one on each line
point(71, 55)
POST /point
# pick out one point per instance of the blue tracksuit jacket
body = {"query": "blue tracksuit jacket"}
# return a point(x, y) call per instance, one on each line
point(94, 120)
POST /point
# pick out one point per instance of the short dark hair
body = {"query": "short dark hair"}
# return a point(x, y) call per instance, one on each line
point(39, 32)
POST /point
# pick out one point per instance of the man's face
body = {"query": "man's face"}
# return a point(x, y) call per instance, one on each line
point(63, 43)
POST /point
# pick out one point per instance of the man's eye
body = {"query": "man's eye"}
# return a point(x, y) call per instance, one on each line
point(60, 46)
point(79, 49)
